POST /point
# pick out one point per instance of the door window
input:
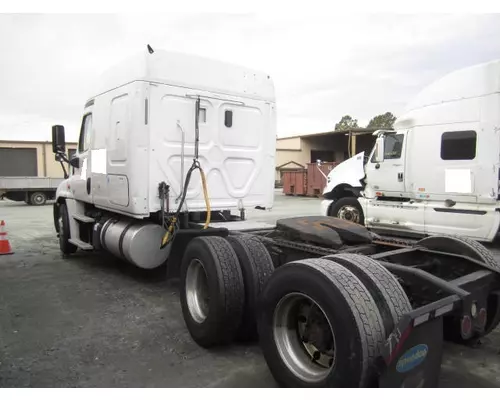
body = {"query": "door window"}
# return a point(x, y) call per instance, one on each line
point(393, 145)
point(85, 134)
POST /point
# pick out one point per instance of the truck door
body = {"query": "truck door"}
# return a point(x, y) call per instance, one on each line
point(388, 203)
point(80, 181)
point(388, 175)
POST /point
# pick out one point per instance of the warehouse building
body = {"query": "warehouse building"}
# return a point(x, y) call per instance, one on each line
point(35, 158)
point(295, 152)
point(29, 158)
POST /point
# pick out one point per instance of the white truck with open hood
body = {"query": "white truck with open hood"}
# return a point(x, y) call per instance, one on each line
point(438, 171)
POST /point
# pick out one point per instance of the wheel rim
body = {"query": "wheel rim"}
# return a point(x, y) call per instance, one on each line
point(38, 199)
point(304, 337)
point(349, 213)
point(197, 294)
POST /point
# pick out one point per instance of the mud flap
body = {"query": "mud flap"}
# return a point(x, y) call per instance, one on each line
point(417, 362)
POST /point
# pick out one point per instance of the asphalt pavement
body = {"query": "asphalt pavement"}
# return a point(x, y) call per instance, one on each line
point(93, 321)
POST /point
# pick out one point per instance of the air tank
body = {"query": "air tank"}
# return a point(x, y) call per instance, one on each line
point(135, 241)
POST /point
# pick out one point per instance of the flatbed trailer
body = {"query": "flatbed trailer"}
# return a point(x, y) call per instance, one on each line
point(31, 190)
point(312, 287)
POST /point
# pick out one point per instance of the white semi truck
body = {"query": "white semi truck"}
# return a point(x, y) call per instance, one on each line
point(437, 172)
point(173, 149)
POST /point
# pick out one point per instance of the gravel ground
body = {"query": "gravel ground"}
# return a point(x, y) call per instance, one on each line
point(93, 321)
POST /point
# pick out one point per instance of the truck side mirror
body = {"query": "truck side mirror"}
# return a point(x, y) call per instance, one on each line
point(58, 140)
point(379, 149)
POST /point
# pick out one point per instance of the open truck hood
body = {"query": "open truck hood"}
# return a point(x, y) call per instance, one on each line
point(349, 172)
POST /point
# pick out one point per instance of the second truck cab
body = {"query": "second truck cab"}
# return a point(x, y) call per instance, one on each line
point(438, 170)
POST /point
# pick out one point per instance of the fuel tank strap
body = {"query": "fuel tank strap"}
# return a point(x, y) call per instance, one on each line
point(107, 224)
point(120, 241)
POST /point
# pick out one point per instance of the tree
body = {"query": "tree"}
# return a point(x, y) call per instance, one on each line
point(346, 123)
point(382, 121)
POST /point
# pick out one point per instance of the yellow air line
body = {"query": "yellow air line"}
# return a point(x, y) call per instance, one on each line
point(205, 194)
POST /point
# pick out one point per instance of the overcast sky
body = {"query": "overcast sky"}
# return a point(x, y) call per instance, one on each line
point(323, 67)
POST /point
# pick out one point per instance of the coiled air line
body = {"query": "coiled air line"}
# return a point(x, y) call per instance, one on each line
point(172, 225)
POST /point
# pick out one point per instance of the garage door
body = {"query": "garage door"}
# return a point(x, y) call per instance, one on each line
point(18, 162)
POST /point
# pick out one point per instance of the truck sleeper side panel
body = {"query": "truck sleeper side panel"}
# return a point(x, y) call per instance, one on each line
point(236, 148)
point(120, 148)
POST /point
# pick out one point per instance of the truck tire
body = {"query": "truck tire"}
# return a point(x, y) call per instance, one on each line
point(473, 249)
point(256, 267)
point(331, 355)
point(347, 208)
point(38, 198)
point(383, 286)
point(63, 221)
point(212, 291)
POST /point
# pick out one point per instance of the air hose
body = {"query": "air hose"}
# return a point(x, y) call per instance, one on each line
point(172, 225)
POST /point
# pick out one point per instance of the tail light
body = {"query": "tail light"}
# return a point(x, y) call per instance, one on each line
point(466, 327)
point(481, 317)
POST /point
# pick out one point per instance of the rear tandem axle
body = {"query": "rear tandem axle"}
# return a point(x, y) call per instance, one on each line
point(334, 305)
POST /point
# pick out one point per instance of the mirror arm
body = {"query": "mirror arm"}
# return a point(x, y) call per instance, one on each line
point(66, 176)
point(61, 157)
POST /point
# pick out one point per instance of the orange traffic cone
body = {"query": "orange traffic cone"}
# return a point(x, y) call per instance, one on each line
point(4, 242)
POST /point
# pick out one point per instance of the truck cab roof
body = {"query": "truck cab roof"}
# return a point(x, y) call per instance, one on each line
point(456, 95)
point(183, 70)
point(478, 80)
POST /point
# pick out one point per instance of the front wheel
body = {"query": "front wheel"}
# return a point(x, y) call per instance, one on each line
point(348, 208)
point(64, 236)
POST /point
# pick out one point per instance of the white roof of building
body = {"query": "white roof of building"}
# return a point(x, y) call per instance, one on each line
point(478, 80)
point(188, 71)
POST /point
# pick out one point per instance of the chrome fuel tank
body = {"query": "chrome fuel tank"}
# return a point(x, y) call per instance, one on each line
point(135, 241)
